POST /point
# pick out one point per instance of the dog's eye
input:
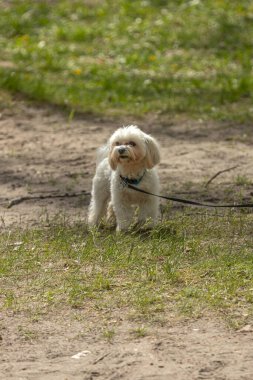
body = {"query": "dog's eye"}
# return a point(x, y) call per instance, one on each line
point(131, 143)
point(117, 143)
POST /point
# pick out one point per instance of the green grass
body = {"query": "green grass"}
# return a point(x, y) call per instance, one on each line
point(242, 180)
point(189, 57)
point(189, 266)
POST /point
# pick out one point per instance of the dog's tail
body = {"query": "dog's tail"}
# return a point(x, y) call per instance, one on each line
point(102, 153)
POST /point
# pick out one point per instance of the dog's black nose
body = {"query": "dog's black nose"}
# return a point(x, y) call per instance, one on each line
point(121, 150)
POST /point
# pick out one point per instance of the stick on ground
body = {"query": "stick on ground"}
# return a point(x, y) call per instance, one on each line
point(218, 173)
point(16, 201)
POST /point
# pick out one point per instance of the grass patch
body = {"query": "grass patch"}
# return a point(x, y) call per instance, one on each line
point(242, 180)
point(189, 265)
point(191, 57)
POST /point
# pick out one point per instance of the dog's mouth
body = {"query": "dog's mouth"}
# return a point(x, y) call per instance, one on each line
point(124, 156)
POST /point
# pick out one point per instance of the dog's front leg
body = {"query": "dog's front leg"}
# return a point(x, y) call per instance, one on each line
point(149, 212)
point(124, 213)
point(124, 219)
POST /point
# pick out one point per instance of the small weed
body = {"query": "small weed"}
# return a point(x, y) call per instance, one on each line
point(109, 334)
point(26, 333)
point(139, 332)
point(242, 180)
point(9, 299)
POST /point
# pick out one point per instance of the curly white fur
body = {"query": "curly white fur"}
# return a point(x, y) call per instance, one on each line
point(133, 155)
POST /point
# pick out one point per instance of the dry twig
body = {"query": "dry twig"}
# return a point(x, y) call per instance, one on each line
point(16, 201)
point(218, 173)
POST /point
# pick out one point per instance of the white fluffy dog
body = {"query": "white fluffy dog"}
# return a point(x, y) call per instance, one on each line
point(129, 157)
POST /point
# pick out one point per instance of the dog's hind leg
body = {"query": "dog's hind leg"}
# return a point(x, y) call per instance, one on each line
point(110, 217)
point(99, 200)
point(97, 210)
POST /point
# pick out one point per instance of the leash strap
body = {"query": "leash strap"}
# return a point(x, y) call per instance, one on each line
point(193, 203)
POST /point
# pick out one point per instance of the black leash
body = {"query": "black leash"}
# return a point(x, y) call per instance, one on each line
point(188, 202)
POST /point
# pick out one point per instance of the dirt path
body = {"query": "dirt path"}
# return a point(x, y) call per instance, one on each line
point(202, 349)
point(42, 153)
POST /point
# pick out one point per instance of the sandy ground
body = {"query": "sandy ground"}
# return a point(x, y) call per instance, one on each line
point(43, 153)
point(202, 349)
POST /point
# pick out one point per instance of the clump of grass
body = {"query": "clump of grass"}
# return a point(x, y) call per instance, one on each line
point(131, 57)
point(27, 334)
point(242, 180)
point(109, 334)
point(189, 264)
point(139, 332)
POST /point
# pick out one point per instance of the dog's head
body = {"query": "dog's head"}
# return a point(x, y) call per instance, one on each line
point(130, 146)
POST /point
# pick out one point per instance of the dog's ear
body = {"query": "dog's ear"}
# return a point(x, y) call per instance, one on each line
point(112, 161)
point(153, 152)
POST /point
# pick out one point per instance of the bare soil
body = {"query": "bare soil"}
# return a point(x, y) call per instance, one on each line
point(44, 153)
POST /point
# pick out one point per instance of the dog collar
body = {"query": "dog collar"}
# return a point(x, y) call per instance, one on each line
point(132, 181)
